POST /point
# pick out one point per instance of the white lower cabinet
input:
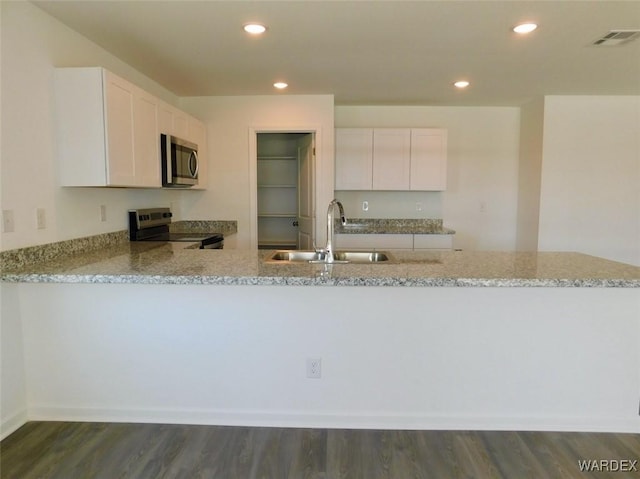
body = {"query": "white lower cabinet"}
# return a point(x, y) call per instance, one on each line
point(373, 241)
point(433, 242)
point(359, 242)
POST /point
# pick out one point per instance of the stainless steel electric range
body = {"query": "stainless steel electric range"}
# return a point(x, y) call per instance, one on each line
point(152, 224)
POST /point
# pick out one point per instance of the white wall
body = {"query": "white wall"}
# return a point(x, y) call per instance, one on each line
point(482, 181)
point(425, 358)
point(590, 192)
point(231, 123)
point(529, 174)
point(33, 43)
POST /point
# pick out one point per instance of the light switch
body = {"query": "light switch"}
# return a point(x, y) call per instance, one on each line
point(8, 223)
point(41, 218)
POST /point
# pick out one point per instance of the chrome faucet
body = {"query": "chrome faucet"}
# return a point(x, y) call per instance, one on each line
point(330, 224)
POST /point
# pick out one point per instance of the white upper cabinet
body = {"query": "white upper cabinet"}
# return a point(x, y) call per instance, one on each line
point(146, 147)
point(398, 159)
point(118, 113)
point(354, 154)
point(173, 121)
point(181, 124)
point(106, 130)
point(428, 159)
point(391, 158)
point(109, 130)
point(166, 114)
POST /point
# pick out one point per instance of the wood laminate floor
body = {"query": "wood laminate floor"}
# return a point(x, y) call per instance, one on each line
point(68, 450)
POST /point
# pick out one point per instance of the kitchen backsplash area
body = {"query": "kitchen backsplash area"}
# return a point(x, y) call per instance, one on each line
point(225, 227)
point(391, 204)
point(60, 250)
point(392, 226)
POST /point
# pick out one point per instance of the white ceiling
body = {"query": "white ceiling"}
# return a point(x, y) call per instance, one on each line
point(369, 52)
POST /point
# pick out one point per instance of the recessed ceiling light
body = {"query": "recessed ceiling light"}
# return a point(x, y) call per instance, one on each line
point(280, 85)
point(525, 28)
point(254, 28)
point(461, 84)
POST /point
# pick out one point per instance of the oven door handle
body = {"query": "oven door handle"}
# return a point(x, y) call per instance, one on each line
point(216, 245)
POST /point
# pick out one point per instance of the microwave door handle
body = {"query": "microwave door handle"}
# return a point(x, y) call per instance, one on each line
point(193, 160)
point(168, 160)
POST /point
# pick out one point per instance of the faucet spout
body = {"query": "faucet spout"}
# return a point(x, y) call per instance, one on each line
point(330, 227)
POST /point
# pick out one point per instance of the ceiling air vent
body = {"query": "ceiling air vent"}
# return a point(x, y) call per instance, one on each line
point(617, 37)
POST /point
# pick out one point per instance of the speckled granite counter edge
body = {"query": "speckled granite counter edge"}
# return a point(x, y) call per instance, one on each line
point(320, 281)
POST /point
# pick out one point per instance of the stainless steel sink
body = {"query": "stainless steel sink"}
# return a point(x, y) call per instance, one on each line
point(361, 256)
point(298, 256)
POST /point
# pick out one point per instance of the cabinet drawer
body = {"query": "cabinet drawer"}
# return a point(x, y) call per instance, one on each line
point(431, 241)
point(373, 241)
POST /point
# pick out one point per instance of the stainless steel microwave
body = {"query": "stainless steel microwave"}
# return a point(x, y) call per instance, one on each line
point(179, 162)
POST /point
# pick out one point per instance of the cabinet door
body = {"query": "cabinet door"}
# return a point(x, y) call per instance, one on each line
point(180, 124)
point(429, 159)
point(373, 241)
point(165, 119)
point(354, 154)
point(146, 144)
point(109, 130)
point(80, 125)
point(119, 131)
point(172, 121)
point(433, 242)
point(391, 158)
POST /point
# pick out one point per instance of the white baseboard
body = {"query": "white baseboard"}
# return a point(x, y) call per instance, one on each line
point(12, 423)
point(338, 421)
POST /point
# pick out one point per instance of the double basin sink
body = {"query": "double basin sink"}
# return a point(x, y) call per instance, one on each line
point(300, 256)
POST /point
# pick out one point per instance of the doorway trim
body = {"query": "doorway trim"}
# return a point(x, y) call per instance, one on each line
point(253, 171)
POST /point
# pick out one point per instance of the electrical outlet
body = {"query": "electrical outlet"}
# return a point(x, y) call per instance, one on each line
point(8, 223)
point(365, 206)
point(314, 368)
point(103, 213)
point(418, 206)
point(41, 218)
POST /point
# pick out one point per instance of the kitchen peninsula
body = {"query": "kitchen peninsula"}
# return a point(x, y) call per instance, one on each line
point(455, 339)
point(175, 263)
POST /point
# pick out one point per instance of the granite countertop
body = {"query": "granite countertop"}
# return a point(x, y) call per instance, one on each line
point(204, 226)
point(392, 226)
point(176, 263)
